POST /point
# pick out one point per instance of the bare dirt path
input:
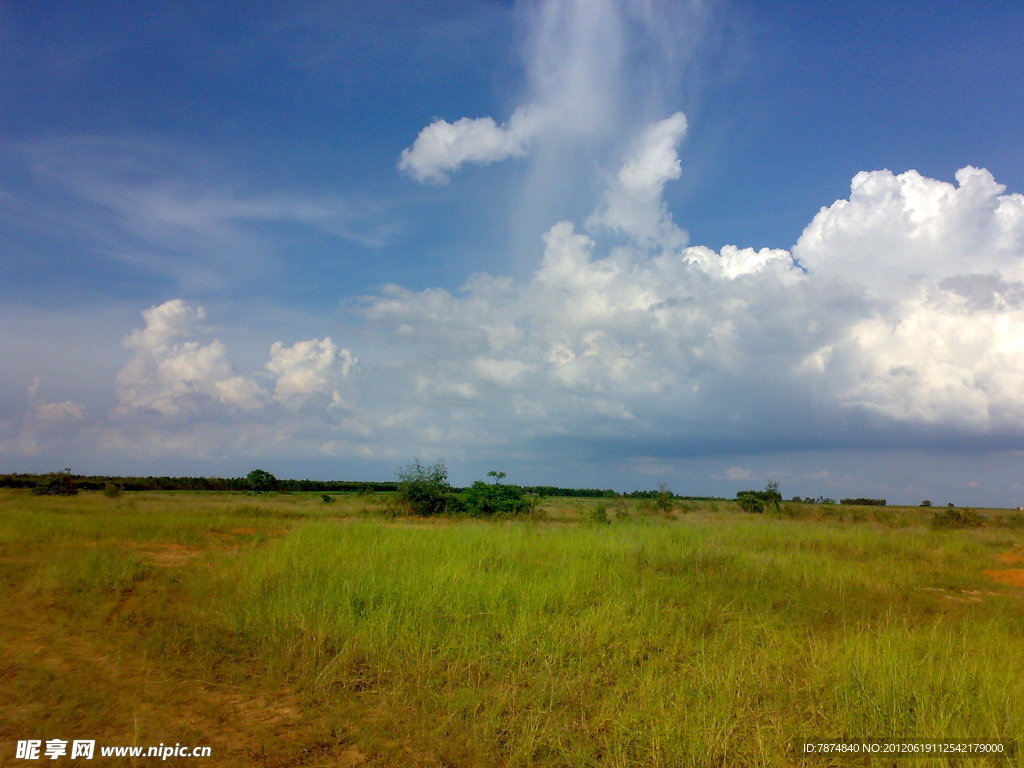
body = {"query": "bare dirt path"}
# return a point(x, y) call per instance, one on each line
point(61, 680)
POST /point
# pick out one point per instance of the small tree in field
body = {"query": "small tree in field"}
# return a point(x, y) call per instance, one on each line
point(261, 481)
point(56, 484)
point(424, 489)
point(759, 501)
point(663, 501)
point(483, 500)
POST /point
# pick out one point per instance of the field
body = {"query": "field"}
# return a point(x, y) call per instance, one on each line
point(282, 631)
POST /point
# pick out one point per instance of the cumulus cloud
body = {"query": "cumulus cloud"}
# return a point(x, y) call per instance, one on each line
point(171, 374)
point(652, 351)
point(585, 61)
point(444, 146)
point(732, 262)
point(902, 305)
point(941, 267)
point(624, 344)
point(897, 232)
point(633, 202)
point(308, 369)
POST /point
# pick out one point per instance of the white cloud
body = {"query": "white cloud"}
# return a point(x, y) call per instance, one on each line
point(587, 343)
point(444, 146)
point(309, 368)
point(738, 473)
point(898, 232)
point(42, 425)
point(593, 67)
point(573, 60)
point(903, 305)
point(733, 262)
point(633, 204)
point(742, 345)
point(940, 269)
point(171, 375)
point(52, 412)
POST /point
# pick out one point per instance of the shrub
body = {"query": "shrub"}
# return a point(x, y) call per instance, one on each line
point(758, 501)
point(326, 499)
point(424, 490)
point(663, 501)
point(599, 515)
point(486, 499)
point(112, 490)
point(750, 503)
point(864, 502)
point(957, 518)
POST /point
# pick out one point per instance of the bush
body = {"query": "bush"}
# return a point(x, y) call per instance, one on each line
point(599, 515)
point(424, 490)
point(56, 484)
point(112, 490)
point(750, 503)
point(663, 501)
point(486, 499)
point(326, 499)
point(864, 502)
point(957, 518)
point(758, 501)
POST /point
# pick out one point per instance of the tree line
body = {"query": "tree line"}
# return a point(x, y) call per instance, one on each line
point(68, 479)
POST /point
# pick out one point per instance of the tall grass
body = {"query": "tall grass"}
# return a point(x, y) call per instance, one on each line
point(716, 638)
point(627, 645)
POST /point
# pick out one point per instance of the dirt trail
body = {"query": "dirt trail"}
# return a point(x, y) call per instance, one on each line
point(62, 681)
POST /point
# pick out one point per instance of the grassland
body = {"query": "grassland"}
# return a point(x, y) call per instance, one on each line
point(282, 631)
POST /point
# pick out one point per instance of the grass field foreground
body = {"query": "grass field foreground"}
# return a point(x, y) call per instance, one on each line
point(284, 631)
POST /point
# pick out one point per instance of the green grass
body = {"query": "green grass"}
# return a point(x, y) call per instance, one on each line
point(710, 638)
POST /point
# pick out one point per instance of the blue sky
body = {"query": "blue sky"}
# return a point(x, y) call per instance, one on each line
point(587, 243)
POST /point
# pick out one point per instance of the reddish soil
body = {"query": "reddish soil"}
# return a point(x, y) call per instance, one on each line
point(1011, 577)
point(1012, 558)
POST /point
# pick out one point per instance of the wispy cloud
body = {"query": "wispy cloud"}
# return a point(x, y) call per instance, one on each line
point(41, 425)
point(174, 211)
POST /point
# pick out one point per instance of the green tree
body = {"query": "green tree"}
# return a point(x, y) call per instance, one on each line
point(424, 490)
point(758, 501)
point(484, 500)
point(260, 481)
point(663, 500)
point(56, 484)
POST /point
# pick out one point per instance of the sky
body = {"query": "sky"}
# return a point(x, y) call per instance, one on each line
point(589, 243)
